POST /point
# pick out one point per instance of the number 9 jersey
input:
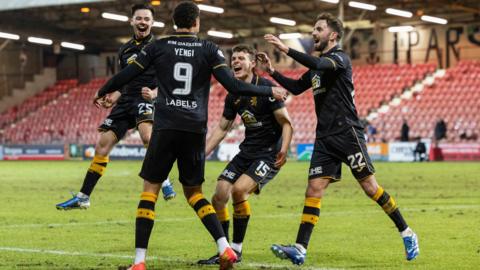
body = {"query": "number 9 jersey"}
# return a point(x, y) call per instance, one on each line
point(184, 65)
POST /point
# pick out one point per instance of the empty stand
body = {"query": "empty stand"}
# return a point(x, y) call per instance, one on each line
point(454, 97)
point(64, 112)
point(66, 116)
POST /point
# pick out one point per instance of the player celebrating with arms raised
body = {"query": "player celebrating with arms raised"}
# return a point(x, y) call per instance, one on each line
point(184, 65)
point(133, 109)
point(339, 134)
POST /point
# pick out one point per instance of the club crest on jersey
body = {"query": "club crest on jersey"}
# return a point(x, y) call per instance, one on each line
point(249, 119)
point(132, 58)
point(253, 101)
point(316, 81)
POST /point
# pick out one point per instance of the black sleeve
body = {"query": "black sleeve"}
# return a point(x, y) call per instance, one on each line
point(229, 108)
point(123, 90)
point(295, 87)
point(331, 62)
point(120, 79)
point(225, 77)
point(127, 74)
point(216, 57)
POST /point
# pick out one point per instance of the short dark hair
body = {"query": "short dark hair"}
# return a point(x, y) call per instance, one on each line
point(185, 14)
point(142, 6)
point(246, 49)
point(333, 22)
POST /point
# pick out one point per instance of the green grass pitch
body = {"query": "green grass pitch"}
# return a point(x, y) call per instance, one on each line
point(440, 201)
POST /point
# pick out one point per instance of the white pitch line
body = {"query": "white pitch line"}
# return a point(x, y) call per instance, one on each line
point(118, 256)
point(184, 219)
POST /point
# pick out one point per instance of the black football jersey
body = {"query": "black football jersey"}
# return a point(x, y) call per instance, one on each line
point(126, 55)
point(262, 131)
point(184, 66)
point(333, 93)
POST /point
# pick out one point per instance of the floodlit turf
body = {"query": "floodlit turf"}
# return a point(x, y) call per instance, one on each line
point(440, 201)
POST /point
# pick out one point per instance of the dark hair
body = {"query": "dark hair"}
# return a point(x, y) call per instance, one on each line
point(185, 14)
point(333, 22)
point(246, 49)
point(142, 6)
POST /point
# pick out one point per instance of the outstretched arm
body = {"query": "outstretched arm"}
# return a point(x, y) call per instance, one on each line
point(295, 87)
point(120, 79)
point(237, 87)
point(311, 62)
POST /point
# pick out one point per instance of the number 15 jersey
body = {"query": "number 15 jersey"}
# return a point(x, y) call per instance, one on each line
point(184, 65)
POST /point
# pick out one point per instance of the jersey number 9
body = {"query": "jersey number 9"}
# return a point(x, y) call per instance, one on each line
point(182, 72)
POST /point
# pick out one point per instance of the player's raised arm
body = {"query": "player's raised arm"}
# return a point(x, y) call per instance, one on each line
point(309, 61)
point(129, 73)
point(295, 87)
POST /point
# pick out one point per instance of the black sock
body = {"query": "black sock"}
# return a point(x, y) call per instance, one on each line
point(390, 207)
point(95, 171)
point(310, 216)
point(207, 215)
point(145, 219)
point(241, 216)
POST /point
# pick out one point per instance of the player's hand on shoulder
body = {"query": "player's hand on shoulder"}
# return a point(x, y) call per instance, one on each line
point(281, 159)
point(275, 41)
point(148, 94)
point(265, 63)
point(279, 93)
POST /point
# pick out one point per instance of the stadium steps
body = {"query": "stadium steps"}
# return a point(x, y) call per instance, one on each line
point(40, 81)
point(454, 97)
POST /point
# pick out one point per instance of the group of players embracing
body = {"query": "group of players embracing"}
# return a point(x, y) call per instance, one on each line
point(165, 86)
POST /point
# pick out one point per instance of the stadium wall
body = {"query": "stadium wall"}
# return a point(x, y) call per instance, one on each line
point(18, 64)
point(391, 152)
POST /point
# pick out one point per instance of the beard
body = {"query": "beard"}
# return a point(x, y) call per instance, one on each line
point(321, 46)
